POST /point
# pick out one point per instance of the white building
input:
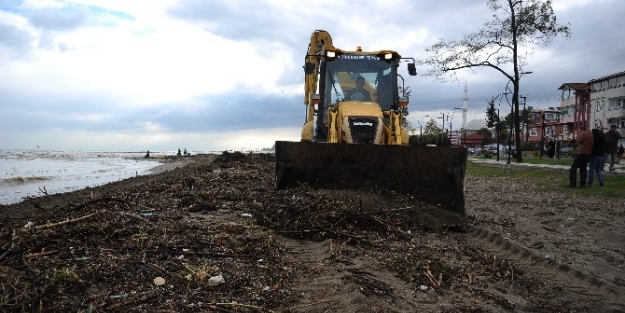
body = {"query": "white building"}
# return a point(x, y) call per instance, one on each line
point(607, 102)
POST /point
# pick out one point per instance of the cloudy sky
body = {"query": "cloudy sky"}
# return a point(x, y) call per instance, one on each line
point(213, 75)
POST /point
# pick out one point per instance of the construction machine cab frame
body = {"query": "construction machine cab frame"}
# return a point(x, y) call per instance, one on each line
point(334, 115)
point(338, 72)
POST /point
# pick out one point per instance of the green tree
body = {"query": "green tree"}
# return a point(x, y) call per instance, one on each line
point(486, 134)
point(405, 123)
point(525, 119)
point(515, 24)
point(431, 128)
point(492, 118)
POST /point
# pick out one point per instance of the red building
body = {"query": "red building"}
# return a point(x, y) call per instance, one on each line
point(561, 122)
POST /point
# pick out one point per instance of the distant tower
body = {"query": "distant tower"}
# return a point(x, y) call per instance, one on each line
point(465, 101)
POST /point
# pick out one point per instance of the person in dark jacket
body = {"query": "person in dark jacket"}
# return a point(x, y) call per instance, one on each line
point(595, 165)
point(612, 137)
point(551, 148)
point(584, 140)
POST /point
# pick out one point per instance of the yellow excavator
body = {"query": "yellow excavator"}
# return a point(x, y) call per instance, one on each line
point(353, 135)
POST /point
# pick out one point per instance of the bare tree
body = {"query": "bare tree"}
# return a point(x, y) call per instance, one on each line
point(516, 25)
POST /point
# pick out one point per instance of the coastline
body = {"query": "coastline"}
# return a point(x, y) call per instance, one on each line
point(170, 163)
point(167, 166)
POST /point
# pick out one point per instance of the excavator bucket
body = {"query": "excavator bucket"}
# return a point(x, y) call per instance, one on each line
point(431, 174)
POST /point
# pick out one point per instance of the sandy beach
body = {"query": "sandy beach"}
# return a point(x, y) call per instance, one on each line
point(211, 234)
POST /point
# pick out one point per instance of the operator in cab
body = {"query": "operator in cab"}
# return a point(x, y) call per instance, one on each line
point(359, 93)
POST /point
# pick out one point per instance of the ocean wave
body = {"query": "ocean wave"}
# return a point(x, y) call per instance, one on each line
point(17, 180)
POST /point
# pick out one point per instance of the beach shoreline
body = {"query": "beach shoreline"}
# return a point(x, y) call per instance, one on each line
point(170, 163)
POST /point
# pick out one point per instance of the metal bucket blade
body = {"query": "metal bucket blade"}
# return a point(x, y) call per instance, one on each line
point(432, 174)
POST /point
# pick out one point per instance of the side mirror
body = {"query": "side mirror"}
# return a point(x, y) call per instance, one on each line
point(412, 69)
point(309, 68)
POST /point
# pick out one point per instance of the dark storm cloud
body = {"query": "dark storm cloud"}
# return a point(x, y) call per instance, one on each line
point(252, 22)
point(14, 39)
point(225, 113)
point(59, 20)
point(237, 21)
point(22, 110)
point(97, 113)
point(592, 51)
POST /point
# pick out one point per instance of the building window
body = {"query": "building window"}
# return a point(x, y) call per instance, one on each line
point(599, 106)
point(551, 116)
point(596, 124)
point(596, 87)
point(621, 123)
point(533, 132)
point(565, 129)
point(549, 131)
point(612, 82)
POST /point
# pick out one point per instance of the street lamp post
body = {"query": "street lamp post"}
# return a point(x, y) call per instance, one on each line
point(511, 126)
point(498, 126)
point(525, 118)
point(420, 133)
point(443, 131)
point(451, 128)
point(511, 120)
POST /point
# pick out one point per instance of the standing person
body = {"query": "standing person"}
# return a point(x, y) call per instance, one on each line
point(612, 137)
point(551, 148)
point(584, 140)
point(597, 157)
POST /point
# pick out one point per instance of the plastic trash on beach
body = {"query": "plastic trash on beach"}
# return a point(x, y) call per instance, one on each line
point(120, 296)
point(216, 280)
point(29, 224)
point(159, 281)
point(248, 215)
point(146, 213)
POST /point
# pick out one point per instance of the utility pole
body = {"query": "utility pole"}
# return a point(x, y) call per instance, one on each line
point(525, 118)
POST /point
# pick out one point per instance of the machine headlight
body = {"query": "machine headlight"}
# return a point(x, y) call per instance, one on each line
point(330, 54)
point(388, 56)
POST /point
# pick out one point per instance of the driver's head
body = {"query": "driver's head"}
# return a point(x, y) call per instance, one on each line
point(360, 81)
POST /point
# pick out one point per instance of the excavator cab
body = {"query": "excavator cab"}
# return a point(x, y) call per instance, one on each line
point(349, 142)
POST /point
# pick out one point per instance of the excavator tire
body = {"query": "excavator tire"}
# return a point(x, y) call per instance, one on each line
point(431, 174)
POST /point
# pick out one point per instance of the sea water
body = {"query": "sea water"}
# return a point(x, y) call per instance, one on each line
point(31, 173)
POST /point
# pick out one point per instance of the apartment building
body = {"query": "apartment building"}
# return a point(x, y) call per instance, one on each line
point(607, 102)
point(546, 122)
point(574, 108)
point(600, 101)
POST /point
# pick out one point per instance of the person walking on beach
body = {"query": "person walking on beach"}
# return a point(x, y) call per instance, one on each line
point(597, 157)
point(612, 137)
point(584, 140)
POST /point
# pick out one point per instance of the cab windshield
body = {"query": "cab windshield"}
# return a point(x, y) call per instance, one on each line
point(343, 72)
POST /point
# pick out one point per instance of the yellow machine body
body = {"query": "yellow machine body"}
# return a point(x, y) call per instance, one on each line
point(353, 134)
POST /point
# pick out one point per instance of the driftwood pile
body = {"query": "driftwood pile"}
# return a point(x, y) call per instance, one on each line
point(205, 238)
